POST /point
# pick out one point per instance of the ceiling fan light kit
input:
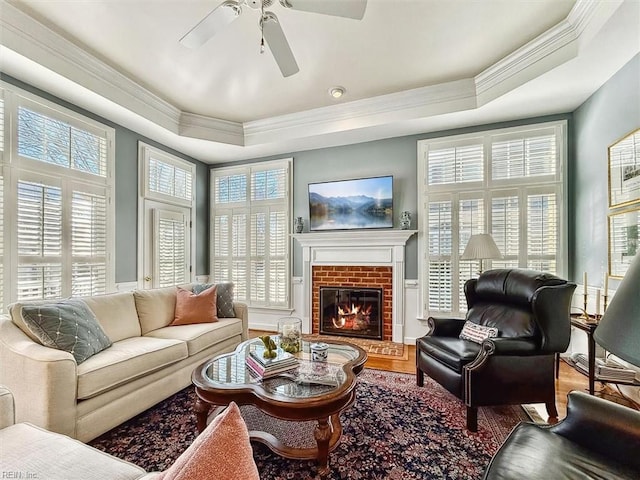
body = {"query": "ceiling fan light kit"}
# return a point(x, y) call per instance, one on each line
point(272, 32)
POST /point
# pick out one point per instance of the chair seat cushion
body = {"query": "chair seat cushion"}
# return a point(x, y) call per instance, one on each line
point(32, 452)
point(200, 336)
point(451, 351)
point(535, 453)
point(125, 361)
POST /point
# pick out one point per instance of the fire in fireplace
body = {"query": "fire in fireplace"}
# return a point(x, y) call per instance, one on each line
point(352, 312)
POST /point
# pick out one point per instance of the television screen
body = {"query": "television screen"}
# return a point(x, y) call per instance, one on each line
point(351, 204)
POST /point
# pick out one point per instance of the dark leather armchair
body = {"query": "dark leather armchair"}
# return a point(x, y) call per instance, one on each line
point(531, 312)
point(598, 439)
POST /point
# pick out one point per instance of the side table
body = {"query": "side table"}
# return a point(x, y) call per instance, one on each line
point(588, 326)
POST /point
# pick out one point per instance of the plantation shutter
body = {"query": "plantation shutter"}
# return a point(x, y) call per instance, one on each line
point(542, 231)
point(251, 232)
point(471, 221)
point(88, 243)
point(505, 228)
point(39, 241)
point(456, 164)
point(531, 156)
point(440, 244)
point(170, 248)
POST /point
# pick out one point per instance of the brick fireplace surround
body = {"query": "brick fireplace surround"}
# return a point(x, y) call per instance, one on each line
point(356, 277)
point(358, 258)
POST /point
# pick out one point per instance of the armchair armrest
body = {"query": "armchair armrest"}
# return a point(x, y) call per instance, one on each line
point(445, 327)
point(510, 346)
point(603, 427)
point(7, 411)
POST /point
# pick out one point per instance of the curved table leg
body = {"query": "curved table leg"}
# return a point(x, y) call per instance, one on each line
point(202, 412)
point(322, 434)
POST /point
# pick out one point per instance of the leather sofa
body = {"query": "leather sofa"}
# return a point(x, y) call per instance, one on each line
point(530, 311)
point(147, 362)
point(598, 439)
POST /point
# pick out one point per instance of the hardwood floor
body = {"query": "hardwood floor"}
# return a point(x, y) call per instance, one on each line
point(569, 379)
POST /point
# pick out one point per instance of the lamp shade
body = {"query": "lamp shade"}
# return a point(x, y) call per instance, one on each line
point(480, 246)
point(619, 329)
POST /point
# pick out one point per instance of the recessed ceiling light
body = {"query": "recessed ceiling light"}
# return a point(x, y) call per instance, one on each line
point(336, 92)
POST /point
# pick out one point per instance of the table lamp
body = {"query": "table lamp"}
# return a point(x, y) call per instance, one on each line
point(619, 328)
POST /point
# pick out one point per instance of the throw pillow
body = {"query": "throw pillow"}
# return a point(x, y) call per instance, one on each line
point(195, 308)
point(68, 325)
point(222, 451)
point(224, 297)
point(477, 333)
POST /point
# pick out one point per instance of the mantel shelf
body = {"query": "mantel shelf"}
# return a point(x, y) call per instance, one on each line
point(354, 238)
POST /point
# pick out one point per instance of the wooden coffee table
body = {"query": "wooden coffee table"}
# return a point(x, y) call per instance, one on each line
point(288, 403)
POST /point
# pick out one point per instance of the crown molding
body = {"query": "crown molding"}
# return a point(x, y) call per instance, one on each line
point(26, 36)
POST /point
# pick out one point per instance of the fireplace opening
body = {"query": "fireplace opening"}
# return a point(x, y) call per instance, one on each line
point(352, 312)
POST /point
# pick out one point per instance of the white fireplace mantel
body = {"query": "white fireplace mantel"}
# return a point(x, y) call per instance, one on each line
point(358, 247)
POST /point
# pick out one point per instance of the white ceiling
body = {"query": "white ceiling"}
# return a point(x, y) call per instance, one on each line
point(409, 66)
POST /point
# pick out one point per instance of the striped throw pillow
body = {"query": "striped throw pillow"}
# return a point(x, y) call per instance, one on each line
point(477, 333)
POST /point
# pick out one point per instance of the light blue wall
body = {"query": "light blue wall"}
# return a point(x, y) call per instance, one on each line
point(126, 194)
point(608, 115)
point(394, 156)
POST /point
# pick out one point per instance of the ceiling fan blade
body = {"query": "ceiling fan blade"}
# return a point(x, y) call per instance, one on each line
point(339, 8)
point(213, 23)
point(278, 45)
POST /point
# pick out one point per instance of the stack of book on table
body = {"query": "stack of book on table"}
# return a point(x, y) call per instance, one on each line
point(605, 370)
point(264, 368)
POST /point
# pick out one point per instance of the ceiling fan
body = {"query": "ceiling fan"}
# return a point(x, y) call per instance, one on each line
point(269, 24)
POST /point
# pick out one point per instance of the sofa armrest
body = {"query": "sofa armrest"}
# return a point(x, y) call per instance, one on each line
point(43, 380)
point(7, 411)
point(445, 327)
point(602, 426)
point(242, 312)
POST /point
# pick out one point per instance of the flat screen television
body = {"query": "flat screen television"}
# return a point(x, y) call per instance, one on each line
point(351, 204)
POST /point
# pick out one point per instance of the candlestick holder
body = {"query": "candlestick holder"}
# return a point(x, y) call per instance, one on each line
point(585, 315)
point(604, 303)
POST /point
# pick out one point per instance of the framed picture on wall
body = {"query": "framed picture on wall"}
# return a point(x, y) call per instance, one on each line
point(624, 170)
point(624, 240)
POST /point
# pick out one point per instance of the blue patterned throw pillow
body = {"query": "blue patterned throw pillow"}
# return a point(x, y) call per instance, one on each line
point(67, 325)
point(224, 297)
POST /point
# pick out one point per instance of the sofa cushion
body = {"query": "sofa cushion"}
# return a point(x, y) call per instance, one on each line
point(201, 336)
point(195, 307)
point(224, 297)
point(531, 453)
point(116, 313)
point(222, 451)
point(156, 307)
point(30, 450)
point(125, 361)
point(67, 325)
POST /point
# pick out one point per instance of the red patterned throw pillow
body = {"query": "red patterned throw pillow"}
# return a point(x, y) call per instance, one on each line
point(477, 333)
point(221, 452)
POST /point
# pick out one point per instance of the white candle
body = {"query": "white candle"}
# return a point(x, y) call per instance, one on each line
point(606, 284)
point(598, 302)
point(585, 282)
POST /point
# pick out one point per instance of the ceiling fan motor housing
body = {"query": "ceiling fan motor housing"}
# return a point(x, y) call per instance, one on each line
point(257, 4)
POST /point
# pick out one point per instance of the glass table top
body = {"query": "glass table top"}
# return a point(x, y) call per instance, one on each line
point(230, 370)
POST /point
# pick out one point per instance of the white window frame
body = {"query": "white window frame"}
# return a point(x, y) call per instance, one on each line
point(488, 188)
point(247, 208)
point(13, 167)
point(145, 153)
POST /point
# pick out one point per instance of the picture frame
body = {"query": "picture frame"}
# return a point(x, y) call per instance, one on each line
point(624, 170)
point(623, 239)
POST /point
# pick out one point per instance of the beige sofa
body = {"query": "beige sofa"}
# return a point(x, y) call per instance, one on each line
point(148, 361)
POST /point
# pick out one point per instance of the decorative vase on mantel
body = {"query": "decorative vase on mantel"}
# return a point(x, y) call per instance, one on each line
point(405, 220)
point(298, 224)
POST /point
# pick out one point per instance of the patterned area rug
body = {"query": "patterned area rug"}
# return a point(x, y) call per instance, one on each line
point(374, 348)
point(394, 431)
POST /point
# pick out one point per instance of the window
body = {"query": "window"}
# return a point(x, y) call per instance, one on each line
point(505, 182)
point(167, 213)
point(250, 231)
point(57, 214)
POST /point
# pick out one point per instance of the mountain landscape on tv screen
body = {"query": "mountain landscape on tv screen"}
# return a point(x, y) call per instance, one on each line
point(349, 212)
